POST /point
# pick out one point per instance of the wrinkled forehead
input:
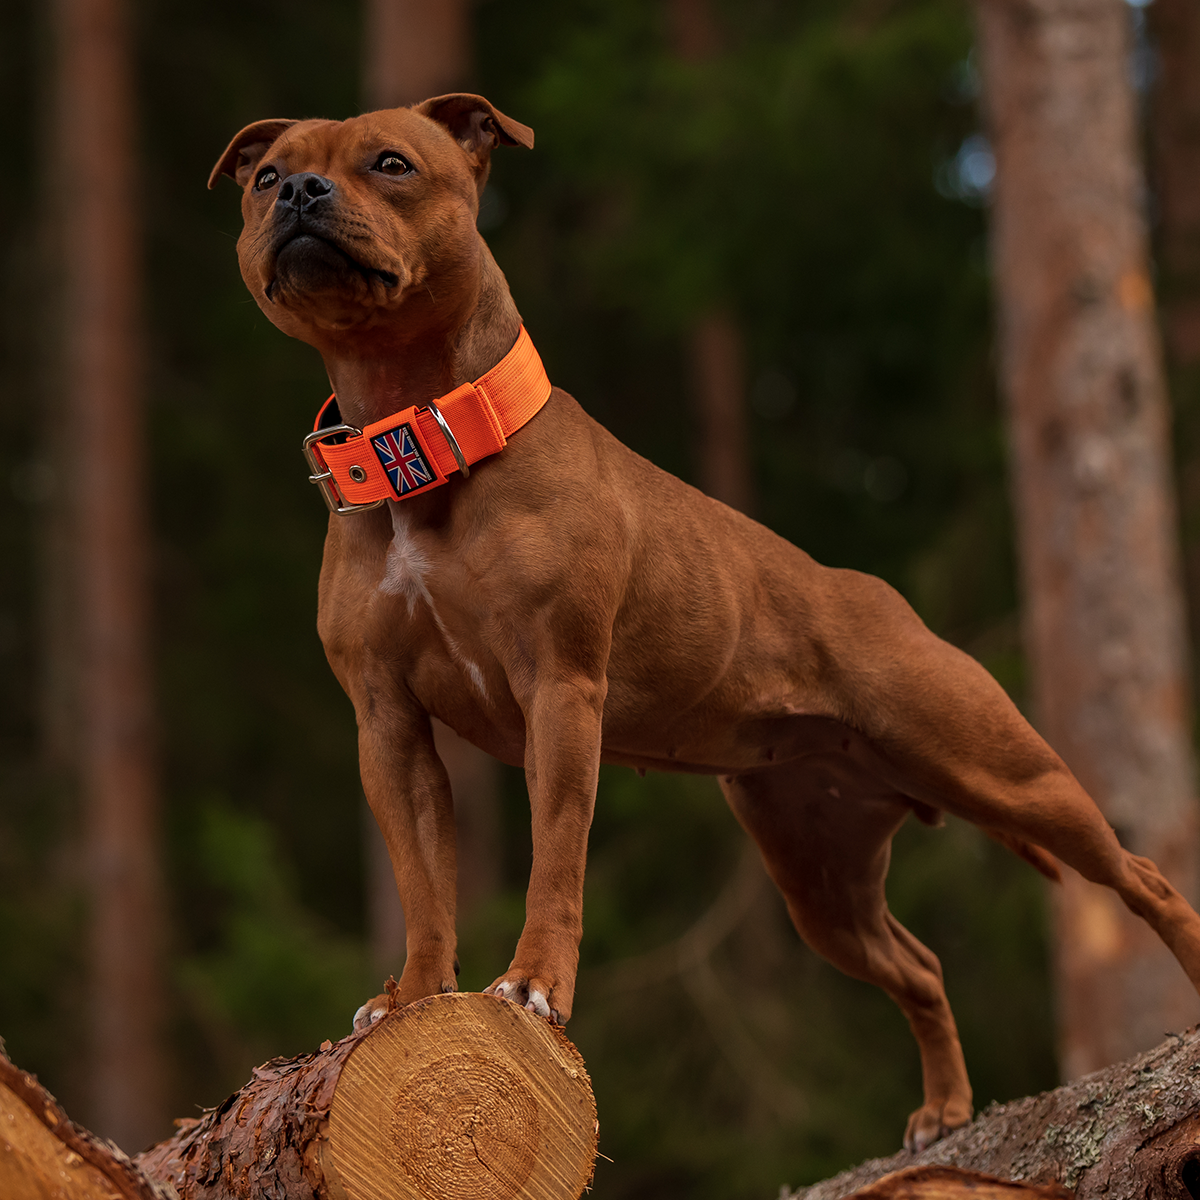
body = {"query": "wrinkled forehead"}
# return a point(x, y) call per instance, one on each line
point(324, 145)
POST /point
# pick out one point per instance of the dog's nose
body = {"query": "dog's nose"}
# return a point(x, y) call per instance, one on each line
point(304, 189)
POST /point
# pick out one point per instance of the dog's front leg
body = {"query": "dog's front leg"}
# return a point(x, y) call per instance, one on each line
point(409, 793)
point(562, 763)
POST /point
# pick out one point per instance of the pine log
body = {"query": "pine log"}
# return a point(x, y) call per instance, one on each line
point(457, 1097)
point(1129, 1132)
point(46, 1156)
point(953, 1183)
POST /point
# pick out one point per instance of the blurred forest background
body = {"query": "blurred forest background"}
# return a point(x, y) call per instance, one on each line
point(813, 175)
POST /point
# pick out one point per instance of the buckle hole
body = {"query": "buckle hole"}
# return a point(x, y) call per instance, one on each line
point(357, 474)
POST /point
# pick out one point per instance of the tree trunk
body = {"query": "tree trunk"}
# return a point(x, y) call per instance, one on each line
point(1175, 125)
point(414, 50)
point(1175, 144)
point(1081, 369)
point(104, 438)
point(715, 348)
point(718, 380)
point(1130, 1132)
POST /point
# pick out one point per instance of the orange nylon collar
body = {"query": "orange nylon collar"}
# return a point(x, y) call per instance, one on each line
point(417, 449)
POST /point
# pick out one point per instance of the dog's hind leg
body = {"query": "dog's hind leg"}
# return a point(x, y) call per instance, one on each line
point(1062, 818)
point(949, 735)
point(827, 846)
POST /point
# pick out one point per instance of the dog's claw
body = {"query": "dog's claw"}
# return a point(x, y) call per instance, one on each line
point(537, 1003)
point(368, 1014)
point(930, 1124)
point(528, 995)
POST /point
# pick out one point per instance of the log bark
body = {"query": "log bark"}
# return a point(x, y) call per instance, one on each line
point(44, 1155)
point(457, 1097)
point(1129, 1132)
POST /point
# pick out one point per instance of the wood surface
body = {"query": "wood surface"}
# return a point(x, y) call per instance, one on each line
point(456, 1097)
point(953, 1183)
point(45, 1156)
point(1129, 1132)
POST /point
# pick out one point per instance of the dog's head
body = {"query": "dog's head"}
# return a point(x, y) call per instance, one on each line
point(348, 223)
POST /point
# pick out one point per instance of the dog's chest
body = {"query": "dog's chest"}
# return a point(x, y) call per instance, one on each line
point(411, 574)
point(408, 564)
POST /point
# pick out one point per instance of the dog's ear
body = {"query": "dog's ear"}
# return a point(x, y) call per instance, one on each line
point(246, 150)
point(477, 125)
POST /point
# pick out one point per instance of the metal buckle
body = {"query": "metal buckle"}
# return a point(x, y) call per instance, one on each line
point(324, 479)
point(451, 440)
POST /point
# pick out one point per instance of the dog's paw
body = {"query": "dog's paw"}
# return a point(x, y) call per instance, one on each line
point(932, 1122)
point(396, 995)
point(531, 993)
point(370, 1012)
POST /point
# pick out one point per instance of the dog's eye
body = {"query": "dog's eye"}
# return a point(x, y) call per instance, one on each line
point(268, 177)
point(391, 163)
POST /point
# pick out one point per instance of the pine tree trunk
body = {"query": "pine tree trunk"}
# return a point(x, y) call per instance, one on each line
point(105, 441)
point(718, 378)
point(714, 346)
point(415, 50)
point(1082, 373)
point(1175, 127)
point(1175, 146)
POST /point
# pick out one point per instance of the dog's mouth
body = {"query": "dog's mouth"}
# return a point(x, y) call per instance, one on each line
point(306, 261)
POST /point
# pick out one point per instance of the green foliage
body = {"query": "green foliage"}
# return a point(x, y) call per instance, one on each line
point(270, 978)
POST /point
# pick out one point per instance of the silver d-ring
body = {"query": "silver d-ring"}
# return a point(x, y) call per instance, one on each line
point(451, 440)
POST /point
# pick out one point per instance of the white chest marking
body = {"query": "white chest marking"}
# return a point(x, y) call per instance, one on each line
point(404, 575)
point(406, 566)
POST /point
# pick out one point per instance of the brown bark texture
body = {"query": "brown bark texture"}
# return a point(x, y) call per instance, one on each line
point(105, 435)
point(456, 1096)
point(1081, 369)
point(46, 1156)
point(1175, 128)
point(953, 1183)
point(1129, 1132)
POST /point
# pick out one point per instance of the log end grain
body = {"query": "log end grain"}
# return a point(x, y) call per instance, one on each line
point(462, 1097)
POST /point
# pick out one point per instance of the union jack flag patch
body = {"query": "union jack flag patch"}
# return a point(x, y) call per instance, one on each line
point(400, 453)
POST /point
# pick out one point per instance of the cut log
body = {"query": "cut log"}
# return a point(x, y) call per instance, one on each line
point(1129, 1131)
point(46, 1156)
point(457, 1097)
point(952, 1183)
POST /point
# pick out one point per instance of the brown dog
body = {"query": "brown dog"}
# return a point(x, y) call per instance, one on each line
point(567, 602)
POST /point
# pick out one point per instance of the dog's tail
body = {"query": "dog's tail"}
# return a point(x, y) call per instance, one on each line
point(1035, 856)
